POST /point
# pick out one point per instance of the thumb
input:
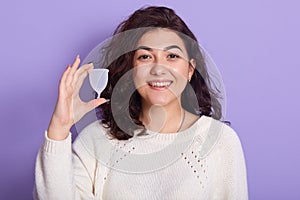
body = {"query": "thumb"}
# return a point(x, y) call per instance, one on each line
point(95, 103)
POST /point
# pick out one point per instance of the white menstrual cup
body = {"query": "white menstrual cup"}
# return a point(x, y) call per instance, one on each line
point(98, 79)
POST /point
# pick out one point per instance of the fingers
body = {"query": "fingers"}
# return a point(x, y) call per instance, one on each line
point(64, 77)
point(80, 75)
point(75, 65)
point(70, 76)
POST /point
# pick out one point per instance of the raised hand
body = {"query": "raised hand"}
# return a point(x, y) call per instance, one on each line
point(69, 107)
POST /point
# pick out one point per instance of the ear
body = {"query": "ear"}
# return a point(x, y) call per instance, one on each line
point(192, 68)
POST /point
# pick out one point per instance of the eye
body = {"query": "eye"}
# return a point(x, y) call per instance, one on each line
point(144, 57)
point(173, 56)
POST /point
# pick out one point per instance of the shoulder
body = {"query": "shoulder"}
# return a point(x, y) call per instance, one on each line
point(229, 138)
point(229, 144)
point(217, 135)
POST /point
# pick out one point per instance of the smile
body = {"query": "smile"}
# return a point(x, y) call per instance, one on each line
point(160, 84)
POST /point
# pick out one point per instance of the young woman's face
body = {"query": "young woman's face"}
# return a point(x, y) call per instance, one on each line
point(161, 67)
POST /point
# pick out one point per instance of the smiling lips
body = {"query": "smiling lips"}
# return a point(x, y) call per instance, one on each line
point(159, 84)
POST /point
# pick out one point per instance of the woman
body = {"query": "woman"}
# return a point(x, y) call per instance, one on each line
point(158, 138)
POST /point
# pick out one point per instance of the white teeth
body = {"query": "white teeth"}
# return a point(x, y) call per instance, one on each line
point(160, 84)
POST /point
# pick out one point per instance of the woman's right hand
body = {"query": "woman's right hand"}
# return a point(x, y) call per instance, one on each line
point(69, 107)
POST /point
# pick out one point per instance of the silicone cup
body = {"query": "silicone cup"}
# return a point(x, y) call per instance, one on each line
point(98, 79)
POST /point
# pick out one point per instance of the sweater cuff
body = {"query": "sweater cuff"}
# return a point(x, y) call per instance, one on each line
point(57, 146)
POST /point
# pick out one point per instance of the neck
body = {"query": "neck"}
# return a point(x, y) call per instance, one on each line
point(163, 119)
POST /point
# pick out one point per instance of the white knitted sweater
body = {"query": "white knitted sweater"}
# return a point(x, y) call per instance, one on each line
point(157, 166)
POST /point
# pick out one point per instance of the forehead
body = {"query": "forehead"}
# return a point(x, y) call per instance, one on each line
point(160, 38)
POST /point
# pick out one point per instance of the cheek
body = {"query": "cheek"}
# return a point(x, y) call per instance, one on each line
point(139, 76)
point(181, 71)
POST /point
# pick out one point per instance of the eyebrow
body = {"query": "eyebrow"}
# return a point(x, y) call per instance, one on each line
point(164, 49)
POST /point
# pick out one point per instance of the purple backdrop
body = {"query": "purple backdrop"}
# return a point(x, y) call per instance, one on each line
point(255, 45)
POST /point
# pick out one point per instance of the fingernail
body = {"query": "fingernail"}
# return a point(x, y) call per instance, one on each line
point(107, 100)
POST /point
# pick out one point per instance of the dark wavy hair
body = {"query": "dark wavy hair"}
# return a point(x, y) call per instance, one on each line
point(121, 116)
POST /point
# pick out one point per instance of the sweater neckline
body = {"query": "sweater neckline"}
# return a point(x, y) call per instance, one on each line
point(199, 123)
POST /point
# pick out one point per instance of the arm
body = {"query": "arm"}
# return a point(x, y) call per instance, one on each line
point(235, 176)
point(63, 174)
point(53, 170)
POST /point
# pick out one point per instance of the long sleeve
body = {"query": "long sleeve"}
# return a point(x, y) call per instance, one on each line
point(234, 175)
point(60, 172)
point(238, 178)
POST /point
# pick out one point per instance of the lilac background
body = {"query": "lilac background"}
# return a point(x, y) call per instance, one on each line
point(255, 45)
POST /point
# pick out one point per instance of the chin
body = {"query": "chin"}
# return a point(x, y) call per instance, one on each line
point(161, 98)
point(161, 101)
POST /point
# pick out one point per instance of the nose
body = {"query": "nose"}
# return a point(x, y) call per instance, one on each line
point(158, 67)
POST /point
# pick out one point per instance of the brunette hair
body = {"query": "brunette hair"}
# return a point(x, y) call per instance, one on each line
point(125, 118)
